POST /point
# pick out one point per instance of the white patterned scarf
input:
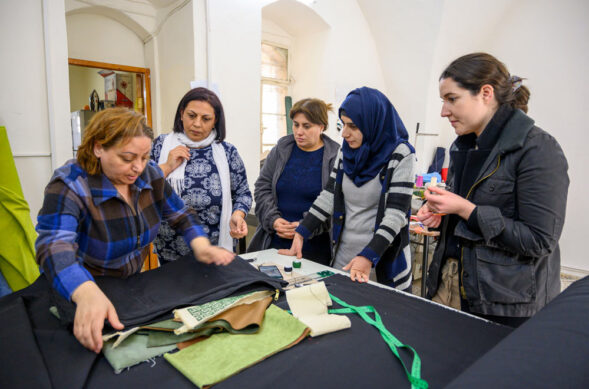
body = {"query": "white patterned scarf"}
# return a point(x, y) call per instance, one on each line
point(176, 177)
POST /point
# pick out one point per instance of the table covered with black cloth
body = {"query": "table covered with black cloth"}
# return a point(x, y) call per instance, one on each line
point(36, 350)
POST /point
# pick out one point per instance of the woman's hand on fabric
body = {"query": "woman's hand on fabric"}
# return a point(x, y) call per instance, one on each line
point(237, 225)
point(296, 248)
point(175, 158)
point(92, 307)
point(284, 228)
point(441, 201)
point(359, 268)
point(209, 254)
point(428, 218)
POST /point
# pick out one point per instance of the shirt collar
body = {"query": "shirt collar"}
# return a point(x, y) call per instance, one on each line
point(102, 189)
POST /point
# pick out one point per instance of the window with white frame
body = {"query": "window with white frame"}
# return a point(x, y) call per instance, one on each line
point(275, 88)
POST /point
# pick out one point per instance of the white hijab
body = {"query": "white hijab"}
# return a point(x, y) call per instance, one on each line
point(176, 177)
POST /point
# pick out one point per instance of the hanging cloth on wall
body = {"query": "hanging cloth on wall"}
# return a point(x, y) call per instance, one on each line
point(438, 161)
point(17, 245)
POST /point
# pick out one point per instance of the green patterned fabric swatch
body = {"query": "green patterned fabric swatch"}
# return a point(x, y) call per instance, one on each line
point(204, 311)
point(223, 355)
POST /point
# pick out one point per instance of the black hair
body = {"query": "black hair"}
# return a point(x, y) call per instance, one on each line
point(202, 94)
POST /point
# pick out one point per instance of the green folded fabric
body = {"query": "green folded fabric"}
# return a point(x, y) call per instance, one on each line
point(165, 338)
point(161, 338)
point(223, 355)
point(164, 325)
point(131, 352)
point(17, 245)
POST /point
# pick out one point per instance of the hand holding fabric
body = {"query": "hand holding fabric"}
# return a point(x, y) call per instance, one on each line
point(284, 228)
point(92, 307)
point(296, 248)
point(238, 225)
point(359, 268)
point(209, 254)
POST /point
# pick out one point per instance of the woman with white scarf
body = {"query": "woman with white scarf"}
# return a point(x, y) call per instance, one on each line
point(205, 171)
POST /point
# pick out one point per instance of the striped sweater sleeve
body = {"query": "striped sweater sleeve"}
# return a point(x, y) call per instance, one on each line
point(398, 203)
point(322, 208)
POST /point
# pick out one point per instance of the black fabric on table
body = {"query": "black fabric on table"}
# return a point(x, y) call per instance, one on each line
point(35, 351)
point(19, 359)
point(38, 351)
point(446, 341)
point(551, 350)
point(185, 282)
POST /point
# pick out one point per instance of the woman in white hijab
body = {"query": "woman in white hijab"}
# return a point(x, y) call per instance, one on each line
point(205, 171)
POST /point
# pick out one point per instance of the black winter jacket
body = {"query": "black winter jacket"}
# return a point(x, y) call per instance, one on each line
point(511, 263)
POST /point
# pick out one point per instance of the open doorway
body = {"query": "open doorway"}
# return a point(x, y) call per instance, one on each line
point(98, 85)
point(95, 86)
point(115, 85)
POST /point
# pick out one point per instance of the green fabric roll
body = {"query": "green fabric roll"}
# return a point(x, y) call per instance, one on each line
point(131, 352)
point(17, 245)
point(223, 355)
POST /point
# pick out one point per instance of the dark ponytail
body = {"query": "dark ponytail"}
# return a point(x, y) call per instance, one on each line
point(472, 71)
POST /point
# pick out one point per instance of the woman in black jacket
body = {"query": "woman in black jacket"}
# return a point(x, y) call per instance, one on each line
point(498, 255)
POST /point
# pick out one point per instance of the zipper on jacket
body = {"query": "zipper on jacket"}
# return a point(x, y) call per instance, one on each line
point(462, 290)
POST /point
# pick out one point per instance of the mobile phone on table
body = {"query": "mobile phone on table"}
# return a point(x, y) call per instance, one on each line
point(271, 270)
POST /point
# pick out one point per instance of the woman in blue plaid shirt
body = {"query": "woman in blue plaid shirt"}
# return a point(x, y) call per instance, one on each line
point(101, 212)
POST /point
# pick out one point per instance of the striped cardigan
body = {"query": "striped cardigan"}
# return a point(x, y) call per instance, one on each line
point(388, 250)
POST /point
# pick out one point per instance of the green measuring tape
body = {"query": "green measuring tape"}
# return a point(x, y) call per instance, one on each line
point(394, 344)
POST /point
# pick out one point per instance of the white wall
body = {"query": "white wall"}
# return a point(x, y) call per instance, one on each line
point(151, 63)
point(175, 62)
point(330, 63)
point(235, 60)
point(271, 32)
point(99, 38)
point(405, 35)
point(24, 108)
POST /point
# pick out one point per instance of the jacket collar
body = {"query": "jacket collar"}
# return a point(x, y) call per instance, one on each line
point(515, 132)
point(512, 137)
point(288, 141)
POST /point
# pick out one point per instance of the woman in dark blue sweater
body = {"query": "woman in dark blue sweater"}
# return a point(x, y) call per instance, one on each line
point(295, 172)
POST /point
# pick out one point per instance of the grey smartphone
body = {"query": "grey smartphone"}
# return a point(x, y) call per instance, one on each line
point(271, 270)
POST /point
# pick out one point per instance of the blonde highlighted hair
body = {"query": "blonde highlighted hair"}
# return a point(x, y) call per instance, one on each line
point(108, 128)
